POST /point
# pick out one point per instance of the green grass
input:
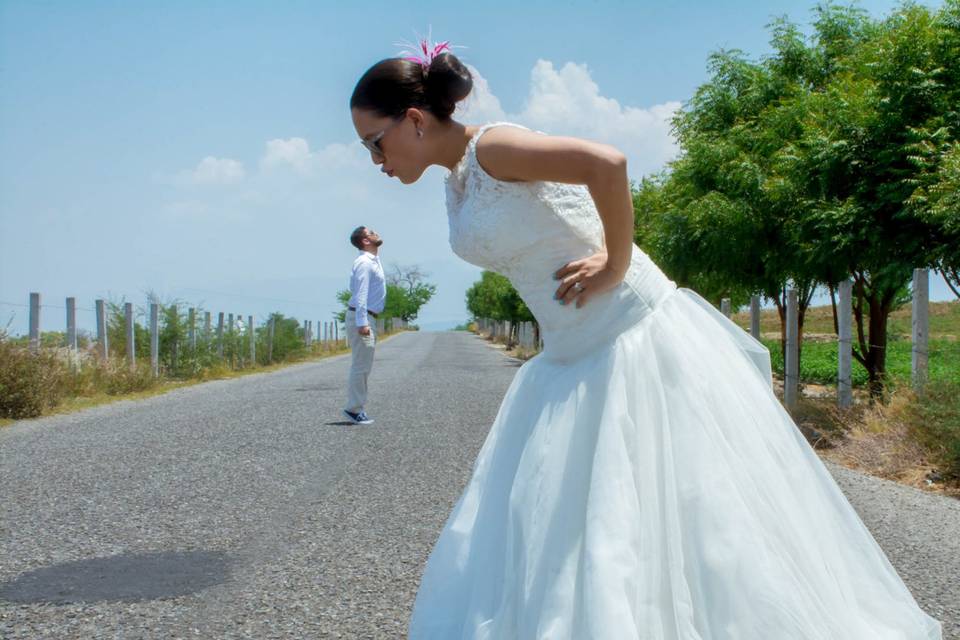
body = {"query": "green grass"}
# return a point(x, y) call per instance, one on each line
point(818, 361)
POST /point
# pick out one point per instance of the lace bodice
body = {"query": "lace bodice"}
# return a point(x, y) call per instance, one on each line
point(526, 231)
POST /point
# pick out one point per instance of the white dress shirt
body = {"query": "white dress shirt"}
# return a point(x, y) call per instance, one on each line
point(368, 287)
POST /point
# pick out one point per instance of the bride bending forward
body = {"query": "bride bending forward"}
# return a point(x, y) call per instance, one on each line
point(641, 479)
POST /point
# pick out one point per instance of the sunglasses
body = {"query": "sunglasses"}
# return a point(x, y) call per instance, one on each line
point(372, 143)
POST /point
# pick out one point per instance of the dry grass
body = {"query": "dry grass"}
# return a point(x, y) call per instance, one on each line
point(97, 398)
point(876, 438)
point(944, 321)
point(512, 349)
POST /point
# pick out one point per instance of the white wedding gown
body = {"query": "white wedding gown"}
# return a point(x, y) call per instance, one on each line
point(641, 479)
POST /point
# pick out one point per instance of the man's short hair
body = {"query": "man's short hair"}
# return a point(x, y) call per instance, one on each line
point(356, 238)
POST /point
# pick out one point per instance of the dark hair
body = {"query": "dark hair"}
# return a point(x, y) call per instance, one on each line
point(356, 238)
point(392, 86)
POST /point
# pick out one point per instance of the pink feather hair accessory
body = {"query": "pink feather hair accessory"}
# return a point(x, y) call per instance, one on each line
point(424, 52)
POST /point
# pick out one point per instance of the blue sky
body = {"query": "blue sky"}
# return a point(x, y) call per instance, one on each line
point(204, 151)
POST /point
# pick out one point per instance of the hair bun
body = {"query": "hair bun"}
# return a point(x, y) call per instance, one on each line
point(446, 82)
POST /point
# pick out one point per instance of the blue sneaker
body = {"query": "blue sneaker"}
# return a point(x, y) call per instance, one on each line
point(358, 418)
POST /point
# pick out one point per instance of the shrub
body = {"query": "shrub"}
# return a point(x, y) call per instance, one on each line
point(934, 418)
point(29, 383)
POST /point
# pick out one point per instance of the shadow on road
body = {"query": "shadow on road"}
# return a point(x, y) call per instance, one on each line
point(127, 578)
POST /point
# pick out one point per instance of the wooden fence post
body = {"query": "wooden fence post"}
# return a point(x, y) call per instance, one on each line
point(175, 347)
point(791, 378)
point(131, 339)
point(725, 306)
point(270, 339)
point(920, 324)
point(155, 339)
point(34, 323)
point(102, 330)
point(220, 335)
point(253, 341)
point(845, 345)
point(192, 320)
point(229, 339)
point(72, 332)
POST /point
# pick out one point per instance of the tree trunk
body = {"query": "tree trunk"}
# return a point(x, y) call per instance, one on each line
point(806, 294)
point(782, 313)
point(833, 304)
point(873, 342)
point(878, 347)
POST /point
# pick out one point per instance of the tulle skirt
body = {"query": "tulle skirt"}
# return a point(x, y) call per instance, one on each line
point(655, 488)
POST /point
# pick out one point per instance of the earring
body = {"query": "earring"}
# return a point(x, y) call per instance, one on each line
point(419, 133)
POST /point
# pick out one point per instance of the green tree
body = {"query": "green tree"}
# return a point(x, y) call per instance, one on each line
point(831, 158)
point(851, 167)
point(493, 297)
point(407, 292)
point(940, 205)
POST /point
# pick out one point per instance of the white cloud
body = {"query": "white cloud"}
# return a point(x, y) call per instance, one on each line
point(213, 170)
point(481, 105)
point(568, 102)
point(296, 154)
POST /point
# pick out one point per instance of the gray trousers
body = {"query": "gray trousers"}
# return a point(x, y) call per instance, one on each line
point(361, 363)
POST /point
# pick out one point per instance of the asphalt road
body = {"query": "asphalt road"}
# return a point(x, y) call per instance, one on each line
point(248, 508)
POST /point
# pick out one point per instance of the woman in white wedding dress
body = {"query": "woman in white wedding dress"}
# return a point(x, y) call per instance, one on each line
point(641, 479)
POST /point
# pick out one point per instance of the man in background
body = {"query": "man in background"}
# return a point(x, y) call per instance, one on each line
point(368, 294)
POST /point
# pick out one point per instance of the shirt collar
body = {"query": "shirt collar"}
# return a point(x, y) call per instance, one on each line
point(371, 256)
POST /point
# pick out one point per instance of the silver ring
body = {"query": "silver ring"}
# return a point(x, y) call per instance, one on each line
point(578, 286)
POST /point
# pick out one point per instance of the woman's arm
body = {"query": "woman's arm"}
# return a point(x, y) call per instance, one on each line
point(518, 155)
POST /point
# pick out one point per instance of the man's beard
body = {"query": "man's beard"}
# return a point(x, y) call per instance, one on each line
point(376, 243)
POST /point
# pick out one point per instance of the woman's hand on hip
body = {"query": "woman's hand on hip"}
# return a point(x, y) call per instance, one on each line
point(580, 280)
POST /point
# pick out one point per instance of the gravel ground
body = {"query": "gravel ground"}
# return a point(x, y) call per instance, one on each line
point(248, 508)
